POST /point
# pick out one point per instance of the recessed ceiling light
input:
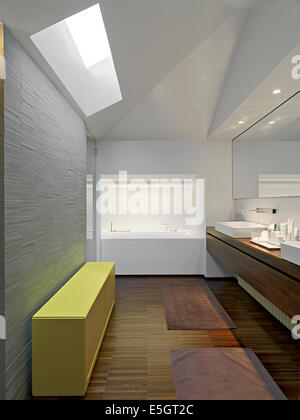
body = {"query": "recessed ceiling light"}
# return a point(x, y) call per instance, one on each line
point(89, 34)
point(276, 91)
point(241, 122)
point(272, 122)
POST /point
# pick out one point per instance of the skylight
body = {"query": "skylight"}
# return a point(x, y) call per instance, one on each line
point(89, 34)
point(78, 51)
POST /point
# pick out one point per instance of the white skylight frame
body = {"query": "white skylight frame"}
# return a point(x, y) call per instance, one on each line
point(91, 80)
point(89, 34)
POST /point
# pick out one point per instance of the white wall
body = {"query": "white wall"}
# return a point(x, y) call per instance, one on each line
point(286, 207)
point(211, 161)
point(147, 220)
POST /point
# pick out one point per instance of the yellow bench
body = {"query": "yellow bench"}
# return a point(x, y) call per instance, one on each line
point(68, 331)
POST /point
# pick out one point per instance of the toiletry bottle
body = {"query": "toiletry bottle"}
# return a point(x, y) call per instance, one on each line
point(270, 230)
point(283, 228)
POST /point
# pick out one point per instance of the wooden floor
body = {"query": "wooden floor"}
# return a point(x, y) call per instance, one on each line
point(135, 363)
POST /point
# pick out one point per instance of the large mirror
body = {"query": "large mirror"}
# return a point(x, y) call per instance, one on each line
point(266, 158)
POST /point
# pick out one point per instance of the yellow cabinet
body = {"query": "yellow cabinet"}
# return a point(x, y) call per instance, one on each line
point(68, 331)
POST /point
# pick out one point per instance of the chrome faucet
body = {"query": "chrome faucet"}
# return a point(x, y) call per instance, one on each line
point(260, 210)
point(266, 211)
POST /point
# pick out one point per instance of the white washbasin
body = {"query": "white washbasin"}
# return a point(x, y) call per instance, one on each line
point(239, 230)
point(290, 251)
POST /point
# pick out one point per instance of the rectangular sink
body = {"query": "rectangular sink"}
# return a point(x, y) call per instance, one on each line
point(290, 251)
point(239, 230)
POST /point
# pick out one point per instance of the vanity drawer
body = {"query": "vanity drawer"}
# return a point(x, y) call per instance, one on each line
point(279, 289)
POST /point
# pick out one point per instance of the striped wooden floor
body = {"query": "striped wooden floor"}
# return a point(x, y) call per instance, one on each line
point(135, 363)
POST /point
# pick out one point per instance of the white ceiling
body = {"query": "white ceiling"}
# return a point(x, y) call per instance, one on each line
point(285, 129)
point(148, 39)
point(262, 63)
point(181, 107)
point(261, 101)
point(174, 59)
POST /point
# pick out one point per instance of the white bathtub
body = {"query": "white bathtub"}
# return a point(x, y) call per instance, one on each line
point(148, 235)
point(154, 253)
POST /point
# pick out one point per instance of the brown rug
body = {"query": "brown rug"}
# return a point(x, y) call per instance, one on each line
point(191, 305)
point(222, 374)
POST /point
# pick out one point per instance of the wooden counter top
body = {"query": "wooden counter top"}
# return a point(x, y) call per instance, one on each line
point(270, 257)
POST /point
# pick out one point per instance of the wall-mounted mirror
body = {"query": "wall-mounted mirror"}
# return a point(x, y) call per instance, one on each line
point(266, 158)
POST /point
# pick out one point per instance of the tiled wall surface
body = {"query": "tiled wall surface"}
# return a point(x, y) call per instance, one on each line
point(45, 214)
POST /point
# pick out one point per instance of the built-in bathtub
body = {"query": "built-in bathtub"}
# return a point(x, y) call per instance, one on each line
point(149, 235)
point(155, 253)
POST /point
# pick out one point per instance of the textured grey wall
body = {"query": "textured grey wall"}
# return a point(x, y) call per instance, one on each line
point(91, 170)
point(45, 196)
point(2, 343)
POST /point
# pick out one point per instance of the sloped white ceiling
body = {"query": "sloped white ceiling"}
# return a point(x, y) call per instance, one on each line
point(174, 58)
point(261, 101)
point(148, 39)
point(229, 77)
point(261, 64)
point(181, 107)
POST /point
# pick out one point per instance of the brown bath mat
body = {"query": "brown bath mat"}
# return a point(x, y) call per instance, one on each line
point(222, 374)
point(190, 305)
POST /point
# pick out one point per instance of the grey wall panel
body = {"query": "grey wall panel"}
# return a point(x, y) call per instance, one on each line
point(45, 203)
point(2, 288)
point(91, 170)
